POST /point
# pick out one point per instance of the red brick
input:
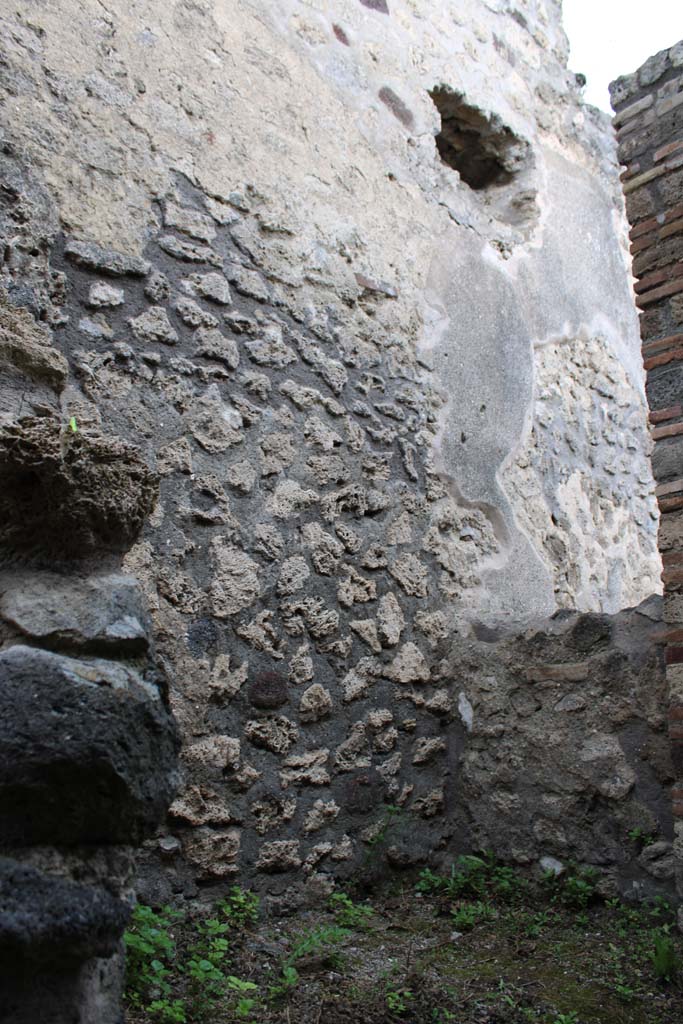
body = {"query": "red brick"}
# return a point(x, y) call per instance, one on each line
point(670, 504)
point(671, 413)
point(669, 341)
point(664, 357)
point(665, 151)
point(670, 229)
point(671, 431)
point(660, 293)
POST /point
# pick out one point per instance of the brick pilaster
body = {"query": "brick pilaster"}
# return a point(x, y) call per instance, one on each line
point(649, 124)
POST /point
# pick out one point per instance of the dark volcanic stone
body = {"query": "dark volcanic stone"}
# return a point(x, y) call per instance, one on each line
point(87, 751)
point(361, 793)
point(268, 690)
point(68, 494)
point(101, 614)
point(46, 918)
point(591, 631)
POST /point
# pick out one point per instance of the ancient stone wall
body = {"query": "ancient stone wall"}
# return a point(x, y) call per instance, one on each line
point(649, 121)
point(354, 281)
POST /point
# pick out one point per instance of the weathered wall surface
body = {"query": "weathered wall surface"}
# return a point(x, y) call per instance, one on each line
point(649, 122)
point(384, 403)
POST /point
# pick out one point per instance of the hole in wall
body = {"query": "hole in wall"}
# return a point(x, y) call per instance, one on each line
point(483, 150)
point(489, 157)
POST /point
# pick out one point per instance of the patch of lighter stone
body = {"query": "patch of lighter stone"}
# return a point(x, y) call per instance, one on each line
point(466, 711)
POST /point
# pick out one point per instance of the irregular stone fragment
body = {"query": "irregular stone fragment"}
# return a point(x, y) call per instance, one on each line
point(375, 557)
point(236, 582)
point(390, 620)
point(426, 748)
point(96, 327)
point(322, 813)
point(97, 614)
point(326, 551)
point(225, 682)
point(290, 499)
point(157, 287)
point(367, 631)
point(214, 425)
point(106, 261)
point(355, 589)
point(352, 499)
point(359, 679)
point(213, 344)
point(328, 469)
point(276, 733)
point(320, 435)
point(349, 538)
point(385, 741)
point(256, 384)
point(432, 624)
point(282, 855)
point(241, 476)
point(400, 530)
point(268, 541)
point(272, 811)
point(153, 326)
point(430, 804)
point(175, 457)
point(316, 854)
point(278, 453)
point(213, 287)
point(301, 665)
point(247, 282)
point(191, 222)
point(200, 805)
point(409, 666)
point(410, 573)
point(316, 702)
point(188, 251)
point(269, 349)
point(305, 769)
point(213, 851)
point(293, 575)
point(102, 294)
point(354, 752)
point(215, 751)
point(262, 635)
point(312, 613)
point(602, 760)
point(192, 314)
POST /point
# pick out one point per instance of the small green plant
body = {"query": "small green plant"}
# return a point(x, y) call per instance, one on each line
point(315, 941)
point(577, 888)
point(473, 878)
point(624, 992)
point(168, 1010)
point(641, 836)
point(348, 914)
point(398, 1000)
point(466, 916)
point(664, 959)
point(240, 907)
point(566, 1018)
point(150, 954)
